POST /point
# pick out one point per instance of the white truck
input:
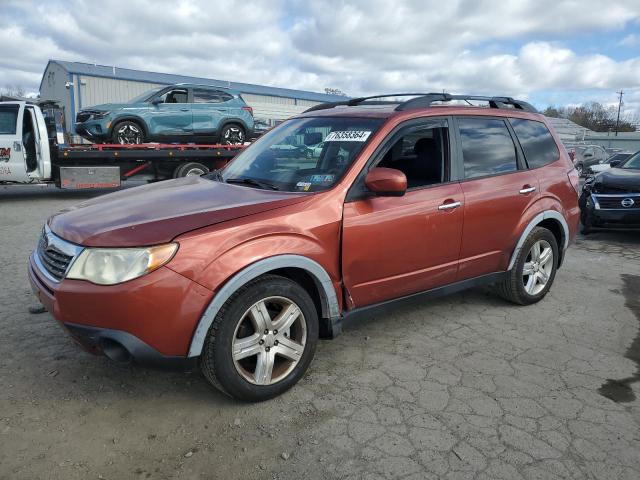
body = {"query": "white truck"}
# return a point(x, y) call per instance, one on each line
point(33, 151)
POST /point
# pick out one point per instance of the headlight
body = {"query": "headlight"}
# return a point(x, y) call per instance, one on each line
point(108, 266)
point(98, 115)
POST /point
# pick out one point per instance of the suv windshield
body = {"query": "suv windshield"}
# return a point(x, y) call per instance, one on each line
point(145, 96)
point(633, 162)
point(303, 154)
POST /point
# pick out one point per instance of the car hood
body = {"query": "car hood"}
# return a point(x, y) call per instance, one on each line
point(157, 213)
point(619, 179)
point(108, 106)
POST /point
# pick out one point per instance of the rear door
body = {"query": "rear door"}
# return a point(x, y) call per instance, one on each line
point(395, 246)
point(12, 159)
point(498, 190)
point(210, 108)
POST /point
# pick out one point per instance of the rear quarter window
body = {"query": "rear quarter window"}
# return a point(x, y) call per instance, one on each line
point(537, 144)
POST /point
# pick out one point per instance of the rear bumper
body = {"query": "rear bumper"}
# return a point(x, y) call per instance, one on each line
point(149, 320)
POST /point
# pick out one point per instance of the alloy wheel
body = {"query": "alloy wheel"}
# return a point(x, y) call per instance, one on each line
point(233, 136)
point(129, 134)
point(538, 267)
point(269, 340)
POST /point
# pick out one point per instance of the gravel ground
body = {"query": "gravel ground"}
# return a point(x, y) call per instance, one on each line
point(463, 387)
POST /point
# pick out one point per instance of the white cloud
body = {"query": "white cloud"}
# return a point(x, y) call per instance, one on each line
point(364, 46)
point(631, 40)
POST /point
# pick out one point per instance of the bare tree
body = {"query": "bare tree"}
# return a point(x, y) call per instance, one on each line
point(13, 91)
point(591, 115)
point(334, 91)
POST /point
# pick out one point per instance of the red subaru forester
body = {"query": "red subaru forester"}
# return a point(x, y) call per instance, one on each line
point(349, 207)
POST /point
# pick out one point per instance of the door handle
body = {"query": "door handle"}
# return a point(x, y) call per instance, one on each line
point(526, 189)
point(184, 109)
point(449, 206)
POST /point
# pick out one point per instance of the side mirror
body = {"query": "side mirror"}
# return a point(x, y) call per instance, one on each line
point(615, 163)
point(156, 101)
point(386, 182)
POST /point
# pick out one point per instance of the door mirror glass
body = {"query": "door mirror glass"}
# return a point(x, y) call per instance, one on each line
point(386, 182)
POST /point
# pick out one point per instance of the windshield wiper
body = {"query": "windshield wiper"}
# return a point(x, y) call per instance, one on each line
point(252, 182)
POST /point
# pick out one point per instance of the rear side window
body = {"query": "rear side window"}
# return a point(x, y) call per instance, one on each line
point(487, 147)
point(210, 96)
point(8, 119)
point(536, 141)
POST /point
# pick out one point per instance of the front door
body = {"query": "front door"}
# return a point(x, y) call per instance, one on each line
point(172, 117)
point(12, 152)
point(498, 190)
point(395, 246)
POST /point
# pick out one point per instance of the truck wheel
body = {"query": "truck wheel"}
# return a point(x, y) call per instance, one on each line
point(232, 135)
point(128, 133)
point(190, 169)
point(262, 340)
point(534, 271)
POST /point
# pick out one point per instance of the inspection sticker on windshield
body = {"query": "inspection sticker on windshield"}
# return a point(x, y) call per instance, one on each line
point(348, 136)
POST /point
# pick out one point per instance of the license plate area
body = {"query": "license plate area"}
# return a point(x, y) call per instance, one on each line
point(89, 177)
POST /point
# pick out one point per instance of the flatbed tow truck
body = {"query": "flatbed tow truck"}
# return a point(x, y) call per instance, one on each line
point(33, 152)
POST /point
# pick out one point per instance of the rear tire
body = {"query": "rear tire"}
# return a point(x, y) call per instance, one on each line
point(232, 134)
point(190, 169)
point(128, 133)
point(243, 339)
point(534, 270)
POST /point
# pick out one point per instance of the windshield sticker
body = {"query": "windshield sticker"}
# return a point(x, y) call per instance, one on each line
point(348, 136)
point(304, 186)
point(322, 178)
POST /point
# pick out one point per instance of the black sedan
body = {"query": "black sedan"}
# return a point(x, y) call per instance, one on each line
point(611, 199)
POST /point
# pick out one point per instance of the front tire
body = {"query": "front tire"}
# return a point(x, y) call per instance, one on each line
point(128, 133)
point(534, 270)
point(262, 340)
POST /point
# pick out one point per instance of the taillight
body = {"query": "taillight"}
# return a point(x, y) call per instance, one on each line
point(248, 109)
point(574, 178)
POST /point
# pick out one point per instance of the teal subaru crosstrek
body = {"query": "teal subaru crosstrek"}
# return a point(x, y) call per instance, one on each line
point(177, 113)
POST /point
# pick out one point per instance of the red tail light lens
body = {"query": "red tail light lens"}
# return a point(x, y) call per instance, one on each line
point(574, 178)
point(248, 109)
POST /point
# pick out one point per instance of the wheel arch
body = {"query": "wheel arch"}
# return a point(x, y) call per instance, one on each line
point(307, 272)
point(553, 221)
point(234, 121)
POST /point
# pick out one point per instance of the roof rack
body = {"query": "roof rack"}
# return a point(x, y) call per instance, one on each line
point(424, 100)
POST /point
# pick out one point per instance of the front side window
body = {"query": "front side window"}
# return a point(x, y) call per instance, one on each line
point(536, 141)
point(421, 153)
point(487, 147)
point(8, 119)
point(633, 162)
point(302, 154)
point(144, 96)
point(175, 96)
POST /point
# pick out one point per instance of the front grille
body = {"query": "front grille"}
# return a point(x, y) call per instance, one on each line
point(53, 260)
point(601, 189)
point(83, 116)
point(616, 203)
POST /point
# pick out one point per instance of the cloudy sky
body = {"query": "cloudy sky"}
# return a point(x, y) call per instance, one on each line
point(548, 51)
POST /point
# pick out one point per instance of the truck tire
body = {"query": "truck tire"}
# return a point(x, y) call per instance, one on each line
point(232, 134)
point(245, 355)
point(190, 169)
point(128, 133)
point(534, 270)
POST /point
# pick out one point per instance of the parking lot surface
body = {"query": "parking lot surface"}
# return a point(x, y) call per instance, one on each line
point(466, 386)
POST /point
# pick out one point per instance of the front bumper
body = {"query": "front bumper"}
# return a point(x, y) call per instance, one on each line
point(595, 216)
point(149, 320)
point(93, 129)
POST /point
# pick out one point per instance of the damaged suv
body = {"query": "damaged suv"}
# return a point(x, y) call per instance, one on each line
point(240, 271)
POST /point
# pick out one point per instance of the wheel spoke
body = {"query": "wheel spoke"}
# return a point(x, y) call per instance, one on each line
point(286, 318)
point(260, 316)
point(545, 256)
point(264, 367)
point(543, 278)
point(246, 347)
point(535, 252)
point(530, 285)
point(528, 269)
point(289, 349)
